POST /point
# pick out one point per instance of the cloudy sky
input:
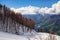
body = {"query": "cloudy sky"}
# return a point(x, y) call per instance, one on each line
point(33, 6)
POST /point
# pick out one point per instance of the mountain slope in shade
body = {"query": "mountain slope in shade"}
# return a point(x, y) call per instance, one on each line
point(46, 22)
point(51, 24)
point(38, 18)
point(35, 17)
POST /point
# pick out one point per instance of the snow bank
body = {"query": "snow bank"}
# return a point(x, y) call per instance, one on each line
point(26, 36)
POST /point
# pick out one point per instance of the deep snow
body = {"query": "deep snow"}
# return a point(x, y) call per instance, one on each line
point(28, 36)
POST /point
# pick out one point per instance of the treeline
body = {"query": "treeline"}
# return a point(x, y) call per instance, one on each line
point(6, 13)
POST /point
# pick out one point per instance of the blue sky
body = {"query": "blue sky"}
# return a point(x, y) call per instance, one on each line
point(23, 3)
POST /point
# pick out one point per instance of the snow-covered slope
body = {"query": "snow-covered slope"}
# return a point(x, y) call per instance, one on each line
point(33, 36)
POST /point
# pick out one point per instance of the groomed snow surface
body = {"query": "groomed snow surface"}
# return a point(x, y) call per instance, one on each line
point(28, 36)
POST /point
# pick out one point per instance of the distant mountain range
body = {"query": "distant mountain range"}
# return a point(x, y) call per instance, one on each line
point(46, 22)
point(38, 18)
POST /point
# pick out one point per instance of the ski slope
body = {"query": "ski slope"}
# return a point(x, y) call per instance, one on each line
point(26, 36)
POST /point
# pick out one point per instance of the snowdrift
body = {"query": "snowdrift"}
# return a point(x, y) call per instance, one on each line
point(26, 36)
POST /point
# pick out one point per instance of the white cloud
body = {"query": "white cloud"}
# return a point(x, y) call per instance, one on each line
point(55, 9)
point(26, 10)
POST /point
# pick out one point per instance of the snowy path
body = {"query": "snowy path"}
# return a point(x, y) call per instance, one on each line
point(37, 36)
